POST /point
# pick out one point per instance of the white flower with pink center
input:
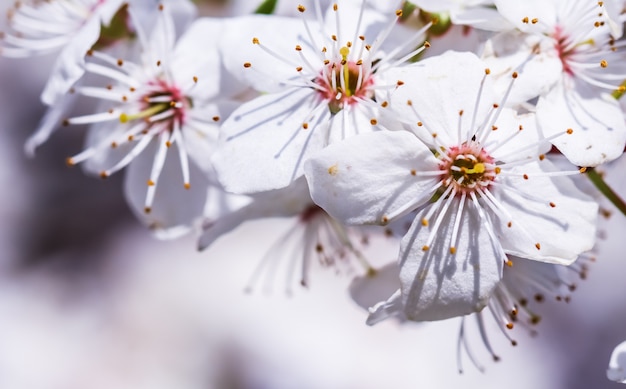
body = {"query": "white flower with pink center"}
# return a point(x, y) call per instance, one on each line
point(567, 57)
point(322, 75)
point(474, 172)
point(160, 120)
point(69, 26)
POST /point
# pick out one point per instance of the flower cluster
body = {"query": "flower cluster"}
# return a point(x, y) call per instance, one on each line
point(436, 123)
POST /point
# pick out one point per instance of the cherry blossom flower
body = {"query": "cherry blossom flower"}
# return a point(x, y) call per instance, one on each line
point(70, 27)
point(322, 76)
point(482, 189)
point(159, 113)
point(567, 56)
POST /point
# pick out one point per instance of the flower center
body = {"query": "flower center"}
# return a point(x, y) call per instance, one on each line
point(561, 43)
point(344, 82)
point(468, 167)
point(163, 103)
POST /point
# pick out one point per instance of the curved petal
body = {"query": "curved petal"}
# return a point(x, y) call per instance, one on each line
point(283, 202)
point(484, 18)
point(439, 88)
point(265, 142)
point(372, 178)
point(205, 65)
point(144, 15)
point(70, 65)
point(516, 11)
point(532, 56)
point(599, 128)
point(516, 137)
point(268, 70)
point(384, 310)
point(552, 220)
point(617, 365)
point(438, 284)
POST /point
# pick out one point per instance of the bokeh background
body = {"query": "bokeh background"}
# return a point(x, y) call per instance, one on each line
point(89, 299)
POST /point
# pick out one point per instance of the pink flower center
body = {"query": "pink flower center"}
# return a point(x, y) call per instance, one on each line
point(344, 83)
point(561, 43)
point(162, 103)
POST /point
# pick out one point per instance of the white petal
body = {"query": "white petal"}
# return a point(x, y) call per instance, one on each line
point(438, 91)
point(268, 70)
point(265, 142)
point(599, 129)
point(516, 11)
point(617, 365)
point(283, 202)
point(70, 65)
point(384, 310)
point(484, 18)
point(205, 64)
point(437, 284)
point(145, 13)
point(563, 232)
point(515, 51)
point(364, 179)
point(516, 137)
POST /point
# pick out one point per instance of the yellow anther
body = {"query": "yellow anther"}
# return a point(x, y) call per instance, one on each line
point(344, 51)
point(478, 168)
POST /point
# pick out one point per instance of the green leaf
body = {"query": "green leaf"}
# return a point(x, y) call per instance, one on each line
point(266, 8)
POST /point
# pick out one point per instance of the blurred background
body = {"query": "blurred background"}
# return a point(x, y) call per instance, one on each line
point(89, 299)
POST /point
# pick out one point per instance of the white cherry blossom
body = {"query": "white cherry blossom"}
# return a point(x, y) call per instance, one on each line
point(160, 118)
point(70, 27)
point(322, 75)
point(482, 189)
point(567, 56)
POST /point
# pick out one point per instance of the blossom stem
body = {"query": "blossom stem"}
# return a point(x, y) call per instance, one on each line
point(597, 180)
